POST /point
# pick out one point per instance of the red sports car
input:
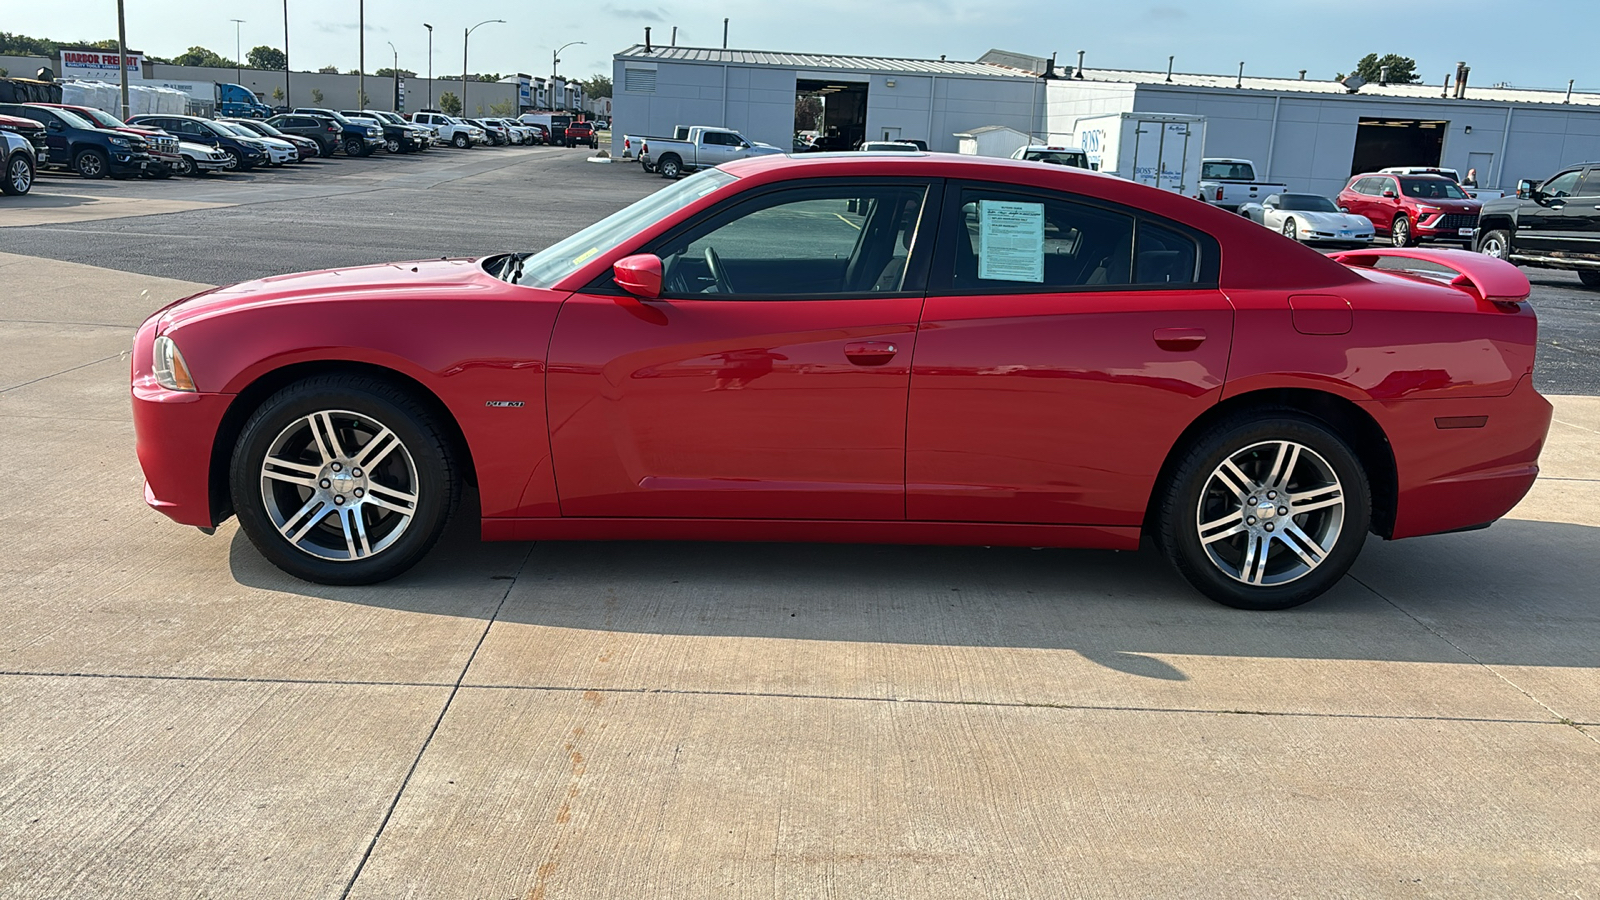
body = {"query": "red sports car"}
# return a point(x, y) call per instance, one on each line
point(917, 349)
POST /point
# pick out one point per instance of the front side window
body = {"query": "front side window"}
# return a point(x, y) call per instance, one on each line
point(800, 242)
point(1562, 185)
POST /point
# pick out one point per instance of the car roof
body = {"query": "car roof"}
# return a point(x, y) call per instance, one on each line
point(1052, 148)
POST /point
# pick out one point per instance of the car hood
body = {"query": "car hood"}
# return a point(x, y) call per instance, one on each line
point(1333, 219)
point(1450, 206)
point(434, 279)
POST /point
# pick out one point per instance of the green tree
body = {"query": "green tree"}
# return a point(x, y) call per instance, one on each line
point(1402, 69)
point(503, 108)
point(200, 56)
point(328, 70)
point(596, 86)
point(361, 100)
point(389, 73)
point(450, 104)
point(269, 58)
point(277, 95)
point(316, 96)
point(807, 112)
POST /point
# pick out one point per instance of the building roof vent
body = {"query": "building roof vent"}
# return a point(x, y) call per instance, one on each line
point(1353, 83)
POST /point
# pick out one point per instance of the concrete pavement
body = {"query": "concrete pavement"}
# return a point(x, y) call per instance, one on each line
point(178, 718)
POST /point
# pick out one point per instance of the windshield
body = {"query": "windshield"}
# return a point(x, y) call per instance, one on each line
point(562, 258)
point(100, 118)
point(1306, 203)
point(1227, 171)
point(454, 121)
point(1432, 189)
point(237, 129)
point(1057, 157)
point(264, 128)
point(218, 127)
point(73, 119)
point(390, 117)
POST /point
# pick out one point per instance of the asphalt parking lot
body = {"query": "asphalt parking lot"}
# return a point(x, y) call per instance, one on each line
point(180, 719)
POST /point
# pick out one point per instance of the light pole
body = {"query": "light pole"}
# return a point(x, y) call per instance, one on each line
point(464, 39)
point(237, 65)
point(555, 60)
point(288, 101)
point(394, 95)
point(430, 62)
point(122, 56)
point(361, 56)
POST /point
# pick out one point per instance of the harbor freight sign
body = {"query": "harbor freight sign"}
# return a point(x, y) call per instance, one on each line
point(99, 65)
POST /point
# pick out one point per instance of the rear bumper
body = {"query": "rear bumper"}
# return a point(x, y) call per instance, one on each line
point(1463, 462)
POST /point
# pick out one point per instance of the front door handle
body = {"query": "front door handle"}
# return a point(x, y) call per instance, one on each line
point(870, 353)
point(1179, 339)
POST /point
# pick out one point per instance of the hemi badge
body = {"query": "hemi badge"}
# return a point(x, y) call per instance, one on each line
point(503, 403)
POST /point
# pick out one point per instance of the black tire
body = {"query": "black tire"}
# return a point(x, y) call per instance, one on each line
point(185, 167)
point(1589, 277)
point(19, 175)
point(421, 441)
point(1495, 243)
point(461, 141)
point(325, 148)
point(1193, 495)
point(238, 160)
point(91, 163)
point(1291, 230)
point(391, 145)
point(670, 167)
point(1400, 233)
point(354, 147)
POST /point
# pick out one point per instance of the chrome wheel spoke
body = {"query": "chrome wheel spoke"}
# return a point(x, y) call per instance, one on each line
point(1255, 558)
point(308, 516)
point(1283, 465)
point(304, 481)
point(326, 441)
point(1230, 477)
point(1227, 526)
point(1326, 497)
point(377, 449)
point(402, 502)
point(1315, 549)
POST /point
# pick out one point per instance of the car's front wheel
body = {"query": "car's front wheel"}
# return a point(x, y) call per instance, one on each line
point(461, 141)
point(1495, 243)
point(91, 164)
point(1265, 511)
point(1291, 230)
point(343, 480)
point(184, 166)
point(1400, 232)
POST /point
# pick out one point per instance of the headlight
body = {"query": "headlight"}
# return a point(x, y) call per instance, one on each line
point(119, 141)
point(1426, 208)
point(171, 371)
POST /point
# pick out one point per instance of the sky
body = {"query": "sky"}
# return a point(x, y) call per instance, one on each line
point(1271, 37)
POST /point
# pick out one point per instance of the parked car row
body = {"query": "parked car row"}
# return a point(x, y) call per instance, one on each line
point(97, 144)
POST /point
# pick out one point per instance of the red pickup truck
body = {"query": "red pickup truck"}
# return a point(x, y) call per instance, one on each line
point(582, 133)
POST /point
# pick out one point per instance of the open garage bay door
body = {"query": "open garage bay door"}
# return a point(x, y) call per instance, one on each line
point(843, 120)
point(1381, 143)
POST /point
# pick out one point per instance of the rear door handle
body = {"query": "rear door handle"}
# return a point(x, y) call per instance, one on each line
point(870, 353)
point(1179, 339)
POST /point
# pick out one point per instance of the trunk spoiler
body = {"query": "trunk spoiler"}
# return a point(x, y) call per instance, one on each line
point(1484, 277)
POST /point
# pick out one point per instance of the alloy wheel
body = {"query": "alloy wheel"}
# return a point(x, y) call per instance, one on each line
point(1271, 513)
point(20, 178)
point(339, 485)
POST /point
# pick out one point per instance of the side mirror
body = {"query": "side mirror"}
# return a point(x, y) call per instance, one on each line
point(55, 126)
point(1389, 193)
point(1526, 188)
point(639, 275)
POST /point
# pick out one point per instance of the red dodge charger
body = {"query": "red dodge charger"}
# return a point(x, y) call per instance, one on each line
point(911, 348)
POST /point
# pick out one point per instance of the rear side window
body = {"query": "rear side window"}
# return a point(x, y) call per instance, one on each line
point(1590, 185)
point(1164, 256)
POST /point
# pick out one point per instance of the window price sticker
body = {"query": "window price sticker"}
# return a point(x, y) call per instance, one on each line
point(1010, 241)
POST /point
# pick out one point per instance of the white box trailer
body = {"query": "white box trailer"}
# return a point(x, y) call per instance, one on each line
point(1159, 149)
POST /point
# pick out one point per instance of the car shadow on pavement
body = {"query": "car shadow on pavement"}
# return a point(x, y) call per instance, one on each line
point(1523, 592)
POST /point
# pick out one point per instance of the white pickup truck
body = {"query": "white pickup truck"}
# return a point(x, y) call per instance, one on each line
point(703, 147)
point(1231, 183)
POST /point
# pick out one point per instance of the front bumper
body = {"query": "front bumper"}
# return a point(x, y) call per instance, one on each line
point(123, 163)
point(174, 433)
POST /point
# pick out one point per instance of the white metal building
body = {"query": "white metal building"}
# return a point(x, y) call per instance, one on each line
point(1309, 134)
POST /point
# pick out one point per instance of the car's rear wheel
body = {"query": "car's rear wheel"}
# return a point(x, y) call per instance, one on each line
point(1589, 277)
point(1266, 510)
point(91, 164)
point(343, 480)
point(1400, 232)
point(1495, 243)
point(669, 167)
point(1290, 230)
point(19, 175)
point(325, 148)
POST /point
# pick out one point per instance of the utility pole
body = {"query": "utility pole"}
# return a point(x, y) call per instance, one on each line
point(237, 65)
point(464, 38)
point(724, 32)
point(430, 62)
point(361, 56)
point(122, 56)
point(288, 101)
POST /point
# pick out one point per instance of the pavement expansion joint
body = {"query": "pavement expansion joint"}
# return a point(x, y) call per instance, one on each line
point(62, 372)
point(1556, 716)
point(444, 710)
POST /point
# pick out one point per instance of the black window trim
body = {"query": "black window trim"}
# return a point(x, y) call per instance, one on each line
point(918, 260)
point(1208, 250)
